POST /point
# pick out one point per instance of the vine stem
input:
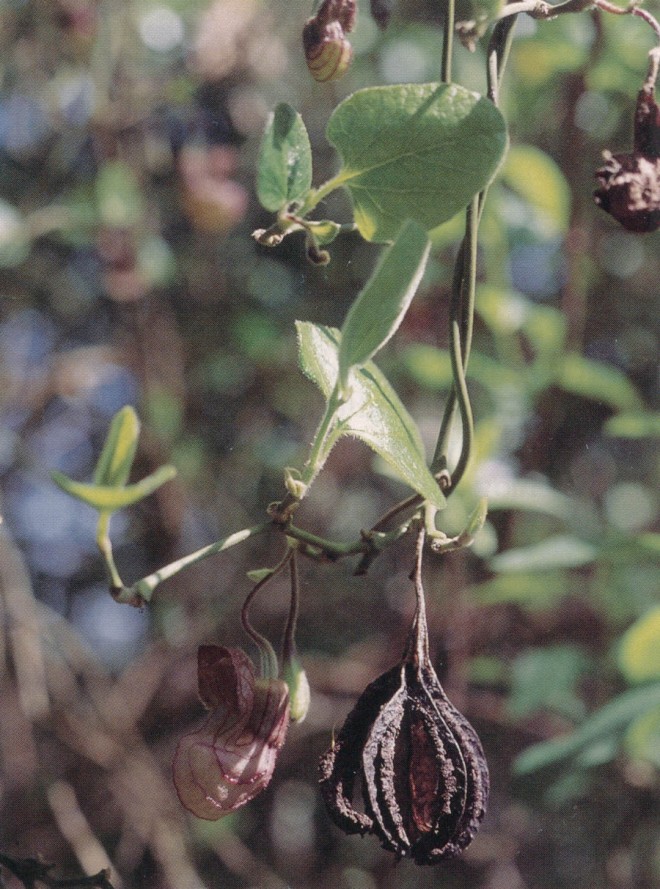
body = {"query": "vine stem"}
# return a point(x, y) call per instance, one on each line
point(289, 642)
point(141, 591)
point(268, 658)
point(104, 544)
point(417, 651)
point(463, 290)
point(448, 40)
point(319, 450)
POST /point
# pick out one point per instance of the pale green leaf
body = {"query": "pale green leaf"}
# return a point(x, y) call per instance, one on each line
point(118, 197)
point(419, 151)
point(642, 741)
point(532, 496)
point(560, 551)
point(546, 678)
point(598, 382)
point(523, 589)
point(611, 720)
point(536, 178)
point(639, 650)
point(373, 413)
point(285, 160)
point(116, 459)
point(256, 575)
point(636, 424)
point(109, 498)
point(380, 308)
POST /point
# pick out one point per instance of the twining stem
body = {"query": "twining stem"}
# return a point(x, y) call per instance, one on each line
point(328, 548)
point(460, 342)
point(463, 290)
point(267, 656)
point(448, 40)
point(289, 642)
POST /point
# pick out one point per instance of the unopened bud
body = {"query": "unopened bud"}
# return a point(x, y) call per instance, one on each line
point(299, 693)
point(327, 50)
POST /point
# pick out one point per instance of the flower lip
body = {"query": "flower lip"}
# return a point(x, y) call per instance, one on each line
point(231, 758)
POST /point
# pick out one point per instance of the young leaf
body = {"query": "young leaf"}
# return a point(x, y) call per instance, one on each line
point(379, 309)
point(419, 151)
point(373, 413)
point(285, 160)
point(114, 464)
point(109, 498)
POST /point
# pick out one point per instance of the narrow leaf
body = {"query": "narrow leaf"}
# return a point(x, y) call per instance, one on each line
point(114, 464)
point(373, 413)
point(419, 151)
point(109, 498)
point(612, 719)
point(380, 307)
point(599, 382)
point(636, 424)
point(285, 160)
point(560, 551)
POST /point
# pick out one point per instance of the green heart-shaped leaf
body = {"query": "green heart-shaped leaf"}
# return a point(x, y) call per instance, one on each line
point(285, 160)
point(372, 413)
point(419, 151)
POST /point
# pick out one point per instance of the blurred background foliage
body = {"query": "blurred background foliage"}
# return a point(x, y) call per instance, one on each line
point(128, 136)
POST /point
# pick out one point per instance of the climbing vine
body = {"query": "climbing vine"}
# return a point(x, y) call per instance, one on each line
point(410, 157)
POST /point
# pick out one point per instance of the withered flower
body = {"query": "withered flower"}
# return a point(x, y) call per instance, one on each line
point(231, 758)
point(328, 52)
point(420, 765)
point(629, 184)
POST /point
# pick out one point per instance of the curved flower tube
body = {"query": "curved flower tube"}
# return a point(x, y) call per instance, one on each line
point(231, 758)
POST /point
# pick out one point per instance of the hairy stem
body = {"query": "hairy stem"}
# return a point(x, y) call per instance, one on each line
point(142, 590)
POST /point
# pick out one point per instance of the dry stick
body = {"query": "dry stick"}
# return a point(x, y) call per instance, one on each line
point(31, 871)
point(83, 720)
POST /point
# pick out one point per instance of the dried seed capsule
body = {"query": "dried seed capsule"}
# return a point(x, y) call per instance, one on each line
point(629, 184)
point(423, 774)
point(629, 190)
